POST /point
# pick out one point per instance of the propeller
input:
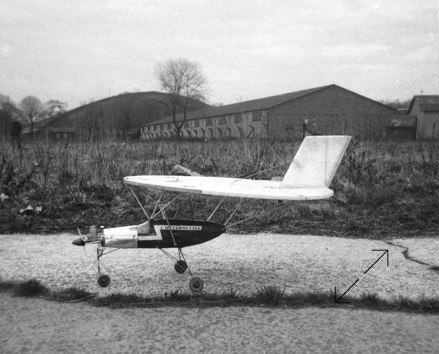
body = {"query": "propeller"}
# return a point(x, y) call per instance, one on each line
point(81, 241)
point(92, 237)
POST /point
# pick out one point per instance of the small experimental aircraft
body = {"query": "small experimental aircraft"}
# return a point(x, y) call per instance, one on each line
point(307, 178)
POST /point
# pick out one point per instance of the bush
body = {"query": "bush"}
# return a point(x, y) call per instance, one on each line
point(30, 288)
point(270, 295)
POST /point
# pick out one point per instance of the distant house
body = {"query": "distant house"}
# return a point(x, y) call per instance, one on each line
point(402, 128)
point(61, 133)
point(51, 129)
point(426, 109)
point(323, 110)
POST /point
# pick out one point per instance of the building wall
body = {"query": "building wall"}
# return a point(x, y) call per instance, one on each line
point(427, 120)
point(238, 125)
point(330, 111)
point(427, 125)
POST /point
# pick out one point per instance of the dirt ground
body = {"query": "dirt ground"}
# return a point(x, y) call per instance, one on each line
point(39, 326)
point(298, 263)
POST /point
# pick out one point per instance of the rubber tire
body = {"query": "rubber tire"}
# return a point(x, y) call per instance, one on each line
point(196, 284)
point(104, 280)
point(180, 266)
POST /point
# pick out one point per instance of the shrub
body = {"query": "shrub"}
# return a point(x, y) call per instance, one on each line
point(270, 295)
point(30, 288)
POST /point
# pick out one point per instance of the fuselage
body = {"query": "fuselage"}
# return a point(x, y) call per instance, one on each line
point(172, 233)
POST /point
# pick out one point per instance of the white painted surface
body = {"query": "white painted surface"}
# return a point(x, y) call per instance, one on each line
point(121, 237)
point(230, 187)
point(316, 162)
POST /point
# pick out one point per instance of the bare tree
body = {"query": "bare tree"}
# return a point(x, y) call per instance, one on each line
point(397, 103)
point(184, 81)
point(92, 122)
point(32, 108)
point(55, 108)
point(125, 118)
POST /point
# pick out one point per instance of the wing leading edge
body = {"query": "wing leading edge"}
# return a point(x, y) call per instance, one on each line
point(308, 177)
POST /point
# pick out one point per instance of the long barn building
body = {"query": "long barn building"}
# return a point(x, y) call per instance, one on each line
point(323, 110)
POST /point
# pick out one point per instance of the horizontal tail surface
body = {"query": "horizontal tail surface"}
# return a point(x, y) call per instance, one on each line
point(316, 162)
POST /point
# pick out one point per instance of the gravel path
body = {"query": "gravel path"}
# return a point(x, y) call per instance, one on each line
point(241, 262)
point(39, 326)
point(298, 263)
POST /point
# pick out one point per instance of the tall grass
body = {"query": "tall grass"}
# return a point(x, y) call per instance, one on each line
point(381, 189)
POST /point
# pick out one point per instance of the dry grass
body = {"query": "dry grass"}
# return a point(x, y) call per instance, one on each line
point(271, 295)
point(381, 188)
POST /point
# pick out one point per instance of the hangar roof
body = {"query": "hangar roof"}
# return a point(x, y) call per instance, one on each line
point(247, 106)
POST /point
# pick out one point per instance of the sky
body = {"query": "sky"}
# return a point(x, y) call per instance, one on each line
point(76, 51)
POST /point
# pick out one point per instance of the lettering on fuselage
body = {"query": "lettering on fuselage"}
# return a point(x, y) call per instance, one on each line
point(181, 227)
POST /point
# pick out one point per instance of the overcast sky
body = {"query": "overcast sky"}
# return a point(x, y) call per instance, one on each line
point(82, 50)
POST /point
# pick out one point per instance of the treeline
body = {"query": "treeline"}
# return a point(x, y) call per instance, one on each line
point(115, 118)
point(26, 114)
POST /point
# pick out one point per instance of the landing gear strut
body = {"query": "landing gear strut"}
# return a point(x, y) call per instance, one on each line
point(196, 284)
point(103, 279)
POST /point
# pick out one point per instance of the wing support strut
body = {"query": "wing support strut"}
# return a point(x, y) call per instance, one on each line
point(163, 212)
point(170, 229)
point(165, 207)
point(216, 208)
point(157, 203)
point(140, 204)
point(233, 213)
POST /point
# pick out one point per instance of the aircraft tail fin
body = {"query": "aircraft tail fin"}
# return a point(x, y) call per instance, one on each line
point(316, 162)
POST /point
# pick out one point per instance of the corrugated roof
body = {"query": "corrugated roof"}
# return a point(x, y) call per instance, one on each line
point(247, 106)
point(423, 99)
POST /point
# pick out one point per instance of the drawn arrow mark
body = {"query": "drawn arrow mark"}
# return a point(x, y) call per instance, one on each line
point(385, 252)
point(337, 300)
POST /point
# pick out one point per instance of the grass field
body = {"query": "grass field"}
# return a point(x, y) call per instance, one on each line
point(382, 189)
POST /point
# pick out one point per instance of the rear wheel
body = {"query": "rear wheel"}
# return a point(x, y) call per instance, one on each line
point(196, 284)
point(180, 266)
point(104, 280)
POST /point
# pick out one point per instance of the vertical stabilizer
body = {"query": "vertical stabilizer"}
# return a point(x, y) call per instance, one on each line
point(316, 162)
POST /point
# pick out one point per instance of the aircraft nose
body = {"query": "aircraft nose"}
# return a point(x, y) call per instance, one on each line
point(78, 242)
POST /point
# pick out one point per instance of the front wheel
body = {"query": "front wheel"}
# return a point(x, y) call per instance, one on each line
point(104, 280)
point(196, 284)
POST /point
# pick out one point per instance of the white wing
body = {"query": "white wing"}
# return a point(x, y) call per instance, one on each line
point(308, 177)
point(229, 187)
